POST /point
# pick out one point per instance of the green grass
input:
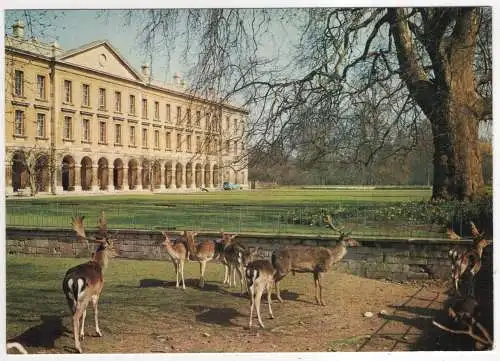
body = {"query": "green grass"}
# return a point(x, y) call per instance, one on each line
point(237, 211)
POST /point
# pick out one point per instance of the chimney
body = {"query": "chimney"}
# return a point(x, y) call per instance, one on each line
point(145, 71)
point(18, 29)
point(55, 47)
point(177, 79)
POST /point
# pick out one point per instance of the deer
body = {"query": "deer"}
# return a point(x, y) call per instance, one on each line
point(237, 256)
point(202, 252)
point(259, 276)
point(226, 240)
point(310, 259)
point(463, 311)
point(84, 283)
point(466, 261)
point(178, 254)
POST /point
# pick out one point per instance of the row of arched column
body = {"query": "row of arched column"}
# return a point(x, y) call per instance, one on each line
point(107, 175)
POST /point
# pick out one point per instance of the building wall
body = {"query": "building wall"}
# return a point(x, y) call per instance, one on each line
point(76, 158)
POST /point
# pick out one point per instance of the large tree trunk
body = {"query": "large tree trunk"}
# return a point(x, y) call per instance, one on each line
point(449, 99)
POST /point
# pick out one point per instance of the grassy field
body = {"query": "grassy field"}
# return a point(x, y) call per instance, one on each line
point(141, 311)
point(237, 211)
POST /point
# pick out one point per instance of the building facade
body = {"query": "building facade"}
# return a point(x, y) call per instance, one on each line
point(84, 120)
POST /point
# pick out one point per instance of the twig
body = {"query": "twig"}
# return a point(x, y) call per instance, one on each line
point(463, 332)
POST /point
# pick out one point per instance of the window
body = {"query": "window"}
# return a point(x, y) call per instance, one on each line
point(168, 113)
point(102, 132)
point(227, 123)
point(179, 114)
point(235, 147)
point(40, 125)
point(228, 146)
point(144, 108)
point(131, 108)
point(157, 110)
point(157, 139)
point(242, 146)
point(188, 114)
point(198, 143)
point(118, 102)
point(68, 97)
point(132, 135)
point(19, 83)
point(235, 124)
point(188, 142)
point(19, 123)
point(144, 137)
point(102, 99)
point(208, 115)
point(118, 134)
point(168, 141)
point(179, 142)
point(198, 118)
point(85, 95)
point(40, 86)
point(86, 130)
point(68, 128)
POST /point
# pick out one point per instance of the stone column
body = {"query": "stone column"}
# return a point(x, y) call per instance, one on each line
point(162, 178)
point(138, 186)
point(95, 179)
point(193, 176)
point(9, 190)
point(78, 178)
point(58, 175)
point(111, 186)
point(125, 179)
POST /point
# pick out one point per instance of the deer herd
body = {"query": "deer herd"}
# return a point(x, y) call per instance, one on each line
point(84, 283)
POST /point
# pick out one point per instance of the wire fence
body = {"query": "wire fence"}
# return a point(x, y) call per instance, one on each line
point(360, 218)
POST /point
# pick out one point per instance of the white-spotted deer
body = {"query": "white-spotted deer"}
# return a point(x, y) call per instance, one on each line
point(84, 283)
point(259, 276)
point(226, 240)
point(201, 252)
point(466, 261)
point(237, 256)
point(310, 259)
point(178, 253)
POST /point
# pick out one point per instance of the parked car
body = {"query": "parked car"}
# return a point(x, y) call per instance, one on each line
point(230, 186)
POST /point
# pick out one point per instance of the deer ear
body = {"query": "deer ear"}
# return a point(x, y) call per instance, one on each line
point(195, 234)
point(164, 233)
point(234, 236)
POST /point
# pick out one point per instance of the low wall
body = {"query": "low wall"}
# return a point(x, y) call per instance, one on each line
point(394, 259)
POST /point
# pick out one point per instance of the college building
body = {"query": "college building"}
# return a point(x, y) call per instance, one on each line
point(85, 120)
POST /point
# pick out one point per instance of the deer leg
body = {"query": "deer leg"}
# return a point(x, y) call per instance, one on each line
point(95, 300)
point(203, 264)
point(316, 283)
point(320, 286)
point(252, 303)
point(269, 291)
point(182, 274)
point(76, 323)
point(176, 266)
point(277, 286)
point(82, 323)
point(241, 280)
point(258, 296)
point(226, 274)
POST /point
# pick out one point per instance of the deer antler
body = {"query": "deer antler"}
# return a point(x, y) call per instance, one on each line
point(486, 341)
point(475, 232)
point(77, 223)
point(328, 220)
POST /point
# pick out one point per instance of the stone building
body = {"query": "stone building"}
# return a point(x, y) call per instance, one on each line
point(84, 120)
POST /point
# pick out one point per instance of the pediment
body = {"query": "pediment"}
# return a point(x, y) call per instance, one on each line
point(101, 57)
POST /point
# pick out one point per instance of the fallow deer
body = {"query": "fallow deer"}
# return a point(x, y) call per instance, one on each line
point(310, 259)
point(226, 240)
point(466, 261)
point(201, 252)
point(237, 256)
point(178, 253)
point(84, 283)
point(259, 276)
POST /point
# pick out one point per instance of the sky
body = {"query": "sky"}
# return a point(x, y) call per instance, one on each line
point(74, 28)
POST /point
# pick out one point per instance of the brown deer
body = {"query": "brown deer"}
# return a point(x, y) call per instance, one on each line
point(178, 253)
point(310, 259)
point(259, 276)
point(227, 239)
point(237, 256)
point(84, 283)
point(466, 261)
point(202, 252)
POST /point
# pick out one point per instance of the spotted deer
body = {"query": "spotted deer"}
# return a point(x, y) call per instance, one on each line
point(84, 283)
point(310, 259)
point(237, 256)
point(201, 252)
point(259, 276)
point(178, 254)
point(466, 260)
point(226, 240)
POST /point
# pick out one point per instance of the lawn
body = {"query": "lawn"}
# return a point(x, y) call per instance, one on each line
point(141, 311)
point(266, 211)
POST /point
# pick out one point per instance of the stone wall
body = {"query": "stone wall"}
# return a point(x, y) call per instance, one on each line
point(394, 259)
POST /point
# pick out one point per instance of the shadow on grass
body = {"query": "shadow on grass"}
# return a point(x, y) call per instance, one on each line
point(43, 335)
point(190, 282)
point(216, 315)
